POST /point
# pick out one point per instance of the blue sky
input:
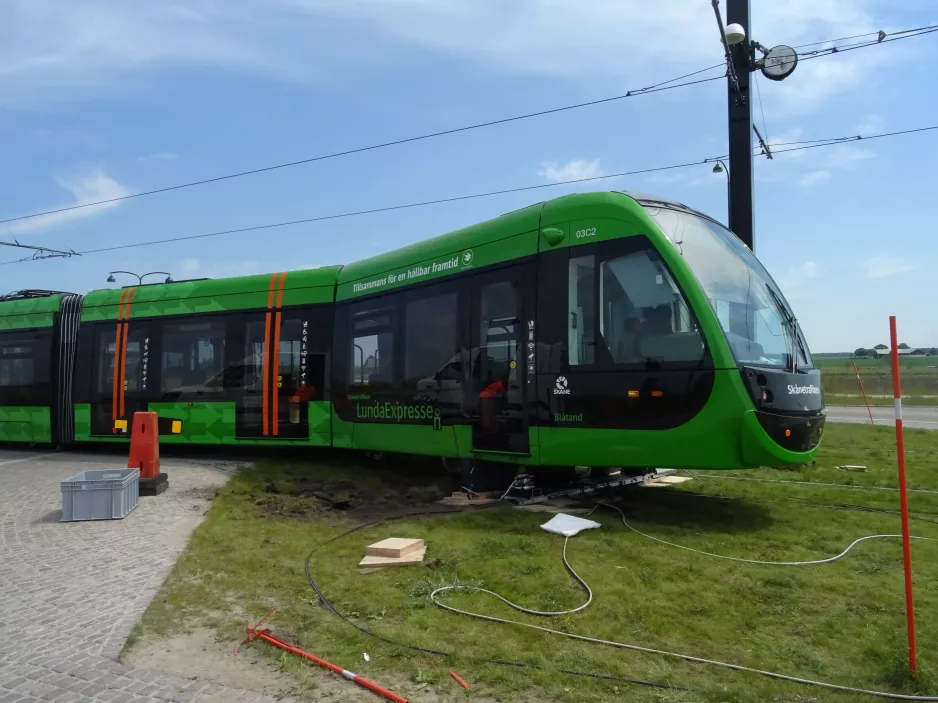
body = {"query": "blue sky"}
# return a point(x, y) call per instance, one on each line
point(104, 98)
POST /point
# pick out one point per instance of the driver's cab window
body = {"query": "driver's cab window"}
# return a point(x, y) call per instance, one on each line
point(627, 309)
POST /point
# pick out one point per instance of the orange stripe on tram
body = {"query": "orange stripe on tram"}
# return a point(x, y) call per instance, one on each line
point(283, 280)
point(276, 374)
point(121, 389)
point(265, 383)
point(275, 405)
point(117, 347)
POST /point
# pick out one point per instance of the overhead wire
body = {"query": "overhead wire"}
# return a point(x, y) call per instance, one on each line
point(389, 208)
point(668, 84)
point(879, 33)
point(765, 127)
point(818, 141)
point(654, 88)
point(471, 196)
point(897, 36)
point(839, 39)
point(881, 38)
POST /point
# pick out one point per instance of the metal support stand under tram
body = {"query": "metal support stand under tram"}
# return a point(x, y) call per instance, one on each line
point(523, 490)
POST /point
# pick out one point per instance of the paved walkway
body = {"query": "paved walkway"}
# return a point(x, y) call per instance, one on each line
point(71, 592)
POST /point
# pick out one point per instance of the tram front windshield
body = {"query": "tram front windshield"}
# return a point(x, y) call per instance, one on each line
point(755, 317)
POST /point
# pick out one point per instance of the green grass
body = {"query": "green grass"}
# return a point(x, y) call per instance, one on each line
point(842, 622)
point(919, 380)
point(907, 365)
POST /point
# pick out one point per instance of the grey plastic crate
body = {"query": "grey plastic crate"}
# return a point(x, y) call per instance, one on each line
point(100, 494)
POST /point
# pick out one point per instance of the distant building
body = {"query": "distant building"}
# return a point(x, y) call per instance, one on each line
point(902, 352)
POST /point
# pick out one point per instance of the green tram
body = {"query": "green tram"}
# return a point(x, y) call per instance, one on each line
point(600, 330)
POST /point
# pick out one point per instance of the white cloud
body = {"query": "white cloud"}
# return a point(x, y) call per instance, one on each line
point(58, 46)
point(780, 140)
point(816, 83)
point(664, 178)
point(62, 44)
point(88, 188)
point(813, 178)
point(199, 268)
point(809, 269)
point(189, 267)
point(810, 167)
point(845, 156)
point(885, 266)
point(796, 282)
point(871, 124)
point(573, 170)
point(159, 156)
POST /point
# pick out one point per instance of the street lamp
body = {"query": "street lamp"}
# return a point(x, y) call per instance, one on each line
point(720, 167)
point(111, 279)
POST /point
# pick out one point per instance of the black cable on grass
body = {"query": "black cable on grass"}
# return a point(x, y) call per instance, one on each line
point(501, 662)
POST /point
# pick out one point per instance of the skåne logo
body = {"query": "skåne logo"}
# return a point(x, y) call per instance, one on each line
point(467, 257)
point(560, 386)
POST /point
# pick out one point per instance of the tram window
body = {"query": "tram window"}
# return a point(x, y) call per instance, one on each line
point(645, 319)
point(252, 375)
point(290, 360)
point(104, 358)
point(193, 357)
point(430, 343)
point(24, 369)
point(16, 372)
point(372, 347)
point(134, 367)
point(17, 366)
point(581, 311)
point(499, 348)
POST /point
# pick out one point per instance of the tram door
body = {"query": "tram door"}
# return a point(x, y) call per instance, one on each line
point(120, 375)
point(497, 370)
point(275, 380)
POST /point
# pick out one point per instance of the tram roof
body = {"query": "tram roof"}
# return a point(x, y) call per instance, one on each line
point(511, 235)
point(214, 295)
point(29, 309)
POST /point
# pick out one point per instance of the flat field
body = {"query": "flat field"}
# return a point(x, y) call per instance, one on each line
point(919, 377)
point(842, 622)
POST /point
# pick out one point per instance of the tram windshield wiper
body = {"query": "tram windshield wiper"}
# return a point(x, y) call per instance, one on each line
point(792, 326)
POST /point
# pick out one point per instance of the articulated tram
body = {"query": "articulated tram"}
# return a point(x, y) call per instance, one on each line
point(602, 329)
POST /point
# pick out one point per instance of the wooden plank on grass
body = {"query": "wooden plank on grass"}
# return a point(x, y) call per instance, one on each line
point(394, 547)
point(412, 558)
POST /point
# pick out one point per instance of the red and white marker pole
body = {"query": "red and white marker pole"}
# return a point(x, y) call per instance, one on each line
point(903, 498)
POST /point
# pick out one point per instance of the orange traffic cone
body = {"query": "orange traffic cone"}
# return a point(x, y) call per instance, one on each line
point(145, 454)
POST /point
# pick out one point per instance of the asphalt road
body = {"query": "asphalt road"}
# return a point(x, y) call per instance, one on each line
point(921, 417)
